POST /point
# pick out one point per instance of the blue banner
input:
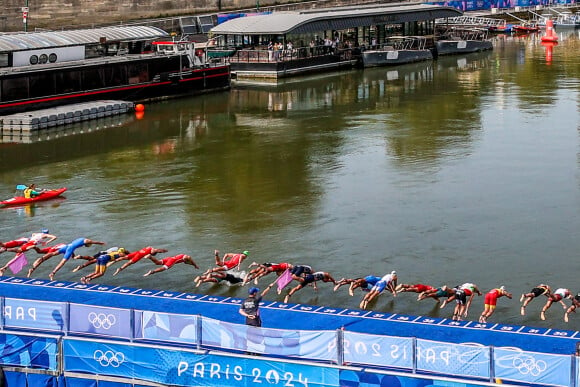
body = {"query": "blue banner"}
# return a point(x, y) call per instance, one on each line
point(368, 378)
point(532, 367)
point(362, 348)
point(453, 359)
point(307, 344)
point(49, 316)
point(166, 327)
point(187, 368)
point(96, 320)
point(28, 351)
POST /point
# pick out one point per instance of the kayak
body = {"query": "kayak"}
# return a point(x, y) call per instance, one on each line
point(47, 195)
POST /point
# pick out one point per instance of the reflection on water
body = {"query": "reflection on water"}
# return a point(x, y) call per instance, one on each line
point(30, 210)
point(77, 128)
point(460, 170)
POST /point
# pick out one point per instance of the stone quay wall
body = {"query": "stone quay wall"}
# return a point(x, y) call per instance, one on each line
point(69, 14)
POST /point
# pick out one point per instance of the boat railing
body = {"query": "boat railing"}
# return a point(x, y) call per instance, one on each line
point(464, 33)
point(394, 43)
point(286, 55)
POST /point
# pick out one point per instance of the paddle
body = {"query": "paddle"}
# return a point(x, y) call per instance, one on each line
point(21, 187)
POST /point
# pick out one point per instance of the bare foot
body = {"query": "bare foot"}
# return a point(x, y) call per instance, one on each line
point(29, 273)
point(543, 316)
point(523, 310)
point(116, 272)
point(147, 274)
point(51, 276)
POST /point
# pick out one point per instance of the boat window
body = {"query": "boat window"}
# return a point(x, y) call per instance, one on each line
point(43, 58)
point(52, 58)
point(137, 73)
point(91, 79)
point(68, 81)
point(4, 60)
point(33, 59)
point(15, 88)
point(41, 84)
point(114, 75)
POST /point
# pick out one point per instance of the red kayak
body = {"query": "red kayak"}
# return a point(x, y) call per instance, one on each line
point(46, 195)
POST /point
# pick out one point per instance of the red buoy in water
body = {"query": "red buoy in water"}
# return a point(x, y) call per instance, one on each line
point(549, 49)
point(139, 108)
point(550, 33)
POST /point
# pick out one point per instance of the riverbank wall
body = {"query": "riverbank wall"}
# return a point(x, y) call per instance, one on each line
point(54, 14)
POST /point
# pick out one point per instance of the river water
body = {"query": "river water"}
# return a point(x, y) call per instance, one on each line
point(461, 170)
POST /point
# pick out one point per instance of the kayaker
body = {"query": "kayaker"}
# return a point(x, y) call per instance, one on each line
point(31, 192)
point(169, 262)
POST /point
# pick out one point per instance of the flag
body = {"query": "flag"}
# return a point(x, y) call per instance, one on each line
point(18, 263)
point(284, 279)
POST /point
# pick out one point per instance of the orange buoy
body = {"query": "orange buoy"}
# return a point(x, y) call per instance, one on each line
point(139, 107)
point(550, 33)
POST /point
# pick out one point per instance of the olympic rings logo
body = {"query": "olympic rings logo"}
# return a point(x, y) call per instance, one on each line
point(528, 365)
point(101, 320)
point(109, 358)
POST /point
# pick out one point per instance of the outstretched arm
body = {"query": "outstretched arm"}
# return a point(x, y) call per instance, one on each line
point(563, 304)
point(50, 239)
point(87, 263)
point(267, 289)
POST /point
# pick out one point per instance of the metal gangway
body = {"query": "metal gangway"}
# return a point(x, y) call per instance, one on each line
point(472, 21)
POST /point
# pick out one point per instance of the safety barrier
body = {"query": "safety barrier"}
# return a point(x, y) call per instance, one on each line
point(122, 343)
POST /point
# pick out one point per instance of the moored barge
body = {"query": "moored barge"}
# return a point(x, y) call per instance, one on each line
point(135, 63)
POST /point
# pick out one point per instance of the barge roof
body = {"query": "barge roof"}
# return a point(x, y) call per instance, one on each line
point(49, 39)
point(309, 21)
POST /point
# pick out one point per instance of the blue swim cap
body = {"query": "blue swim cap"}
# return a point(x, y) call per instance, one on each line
point(44, 231)
point(253, 290)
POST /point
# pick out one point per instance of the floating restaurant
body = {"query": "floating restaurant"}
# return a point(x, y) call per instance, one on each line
point(284, 44)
